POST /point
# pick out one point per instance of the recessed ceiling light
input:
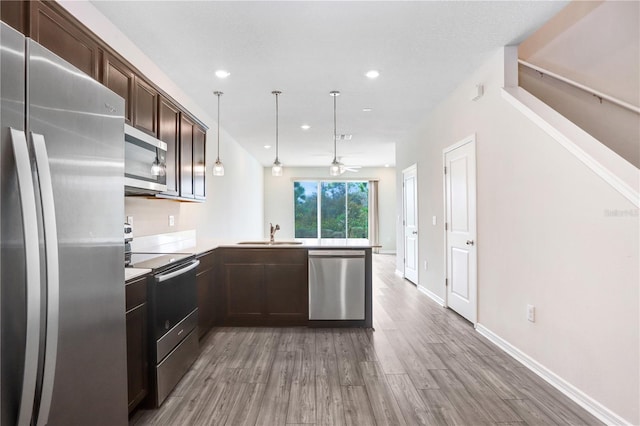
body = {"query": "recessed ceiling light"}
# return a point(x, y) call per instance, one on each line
point(367, 109)
point(305, 127)
point(372, 74)
point(386, 165)
point(222, 74)
point(267, 146)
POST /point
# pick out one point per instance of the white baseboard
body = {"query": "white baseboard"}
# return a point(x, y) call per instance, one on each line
point(585, 401)
point(439, 300)
point(399, 273)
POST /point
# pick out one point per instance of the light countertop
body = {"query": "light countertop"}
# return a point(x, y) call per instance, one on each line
point(205, 245)
point(131, 273)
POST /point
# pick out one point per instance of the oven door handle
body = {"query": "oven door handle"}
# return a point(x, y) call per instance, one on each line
point(164, 277)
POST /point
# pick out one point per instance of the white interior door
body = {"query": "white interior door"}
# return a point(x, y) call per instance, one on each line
point(410, 221)
point(460, 227)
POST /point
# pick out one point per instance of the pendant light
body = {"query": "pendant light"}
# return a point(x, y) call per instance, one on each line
point(276, 169)
point(334, 169)
point(218, 167)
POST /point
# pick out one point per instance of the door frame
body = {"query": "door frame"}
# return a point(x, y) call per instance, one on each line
point(472, 140)
point(413, 167)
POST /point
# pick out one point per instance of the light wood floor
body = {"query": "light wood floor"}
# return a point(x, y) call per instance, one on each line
point(422, 365)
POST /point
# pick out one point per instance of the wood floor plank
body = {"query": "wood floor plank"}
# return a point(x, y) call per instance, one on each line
point(382, 318)
point(246, 405)
point(302, 402)
point(470, 410)
point(258, 364)
point(219, 401)
point(273, 408)
point(324, 342)
point(411, 404)
point(465, 370)
point(386, 354)
point(441, 408)
point(169, 415)
point(412, 362)
point(541, 394)
point(347, 363)
point(363, 348)
point(329, 404)
point(384, 405)
point(357, 406)
point(201, 405)
point(530, 413)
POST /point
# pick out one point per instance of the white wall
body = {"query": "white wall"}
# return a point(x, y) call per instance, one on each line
point(234, 206)
point(607, 60)
point(279, 208)
point(595, 43)
point(545, 237)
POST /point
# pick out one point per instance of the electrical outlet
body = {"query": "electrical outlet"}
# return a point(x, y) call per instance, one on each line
point(434, 220)
point(172, 220)
point(130, 220)
point(425, 265)
point(531, 313)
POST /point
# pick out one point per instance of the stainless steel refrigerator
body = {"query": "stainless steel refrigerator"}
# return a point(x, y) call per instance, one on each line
point(62, 313)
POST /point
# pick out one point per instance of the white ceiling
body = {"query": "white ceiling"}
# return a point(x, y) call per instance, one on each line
point(422, 50)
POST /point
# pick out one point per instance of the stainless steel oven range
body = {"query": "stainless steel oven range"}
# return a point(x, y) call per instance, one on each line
point(173, 317)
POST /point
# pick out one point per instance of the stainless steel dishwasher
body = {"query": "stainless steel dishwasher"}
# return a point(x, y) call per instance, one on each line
point(336, 284)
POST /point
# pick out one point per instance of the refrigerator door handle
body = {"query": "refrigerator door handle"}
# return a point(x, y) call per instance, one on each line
point(32, 261)
point(53, 288)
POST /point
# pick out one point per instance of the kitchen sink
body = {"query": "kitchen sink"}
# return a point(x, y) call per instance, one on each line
point(268, 243)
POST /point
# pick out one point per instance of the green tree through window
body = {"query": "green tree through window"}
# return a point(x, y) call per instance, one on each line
point(344, 209)
point(306, 209)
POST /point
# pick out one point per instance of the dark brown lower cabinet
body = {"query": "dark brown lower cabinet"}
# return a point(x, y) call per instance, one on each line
point(137, 342)
point(205, 281)
point(265, 286)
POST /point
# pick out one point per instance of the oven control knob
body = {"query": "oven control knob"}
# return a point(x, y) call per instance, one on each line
point(166, 325)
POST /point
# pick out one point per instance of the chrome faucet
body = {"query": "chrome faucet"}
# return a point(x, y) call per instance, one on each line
point(273, 231)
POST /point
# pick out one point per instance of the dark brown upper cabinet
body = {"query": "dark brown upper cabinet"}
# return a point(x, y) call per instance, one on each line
point(186, 157)
point(145, 110)
point(169, 132)
point(147, 107)
point(54, 30)
point(120, 78)
point(199, 162)
point(15, 14)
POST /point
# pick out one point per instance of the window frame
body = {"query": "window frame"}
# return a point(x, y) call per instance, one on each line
point(324, 240)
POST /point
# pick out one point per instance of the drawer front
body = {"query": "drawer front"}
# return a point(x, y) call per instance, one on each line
point(136, 293)
point(171, 370)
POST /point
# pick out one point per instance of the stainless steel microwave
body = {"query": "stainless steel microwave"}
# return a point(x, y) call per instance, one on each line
point(144, 163)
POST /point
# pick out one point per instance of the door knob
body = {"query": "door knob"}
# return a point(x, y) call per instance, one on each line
point(470, 242)
point(414, 232)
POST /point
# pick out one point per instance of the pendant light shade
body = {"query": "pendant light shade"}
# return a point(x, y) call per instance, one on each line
point(218, 167)
point(335, 168)
point(276, 169)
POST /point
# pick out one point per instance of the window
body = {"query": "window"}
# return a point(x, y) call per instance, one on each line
point(343, 210)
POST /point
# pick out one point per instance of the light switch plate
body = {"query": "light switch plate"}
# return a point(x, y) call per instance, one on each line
point(172, 220)
point(434, 220)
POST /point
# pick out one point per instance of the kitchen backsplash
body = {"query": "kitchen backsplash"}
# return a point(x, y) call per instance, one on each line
point(151, 216)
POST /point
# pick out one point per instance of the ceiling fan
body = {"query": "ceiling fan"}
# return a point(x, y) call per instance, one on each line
point(348, 168)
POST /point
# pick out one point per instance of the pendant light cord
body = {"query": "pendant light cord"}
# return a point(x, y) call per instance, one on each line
point(276, 93)
point(218, 94)
point(335, 135)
